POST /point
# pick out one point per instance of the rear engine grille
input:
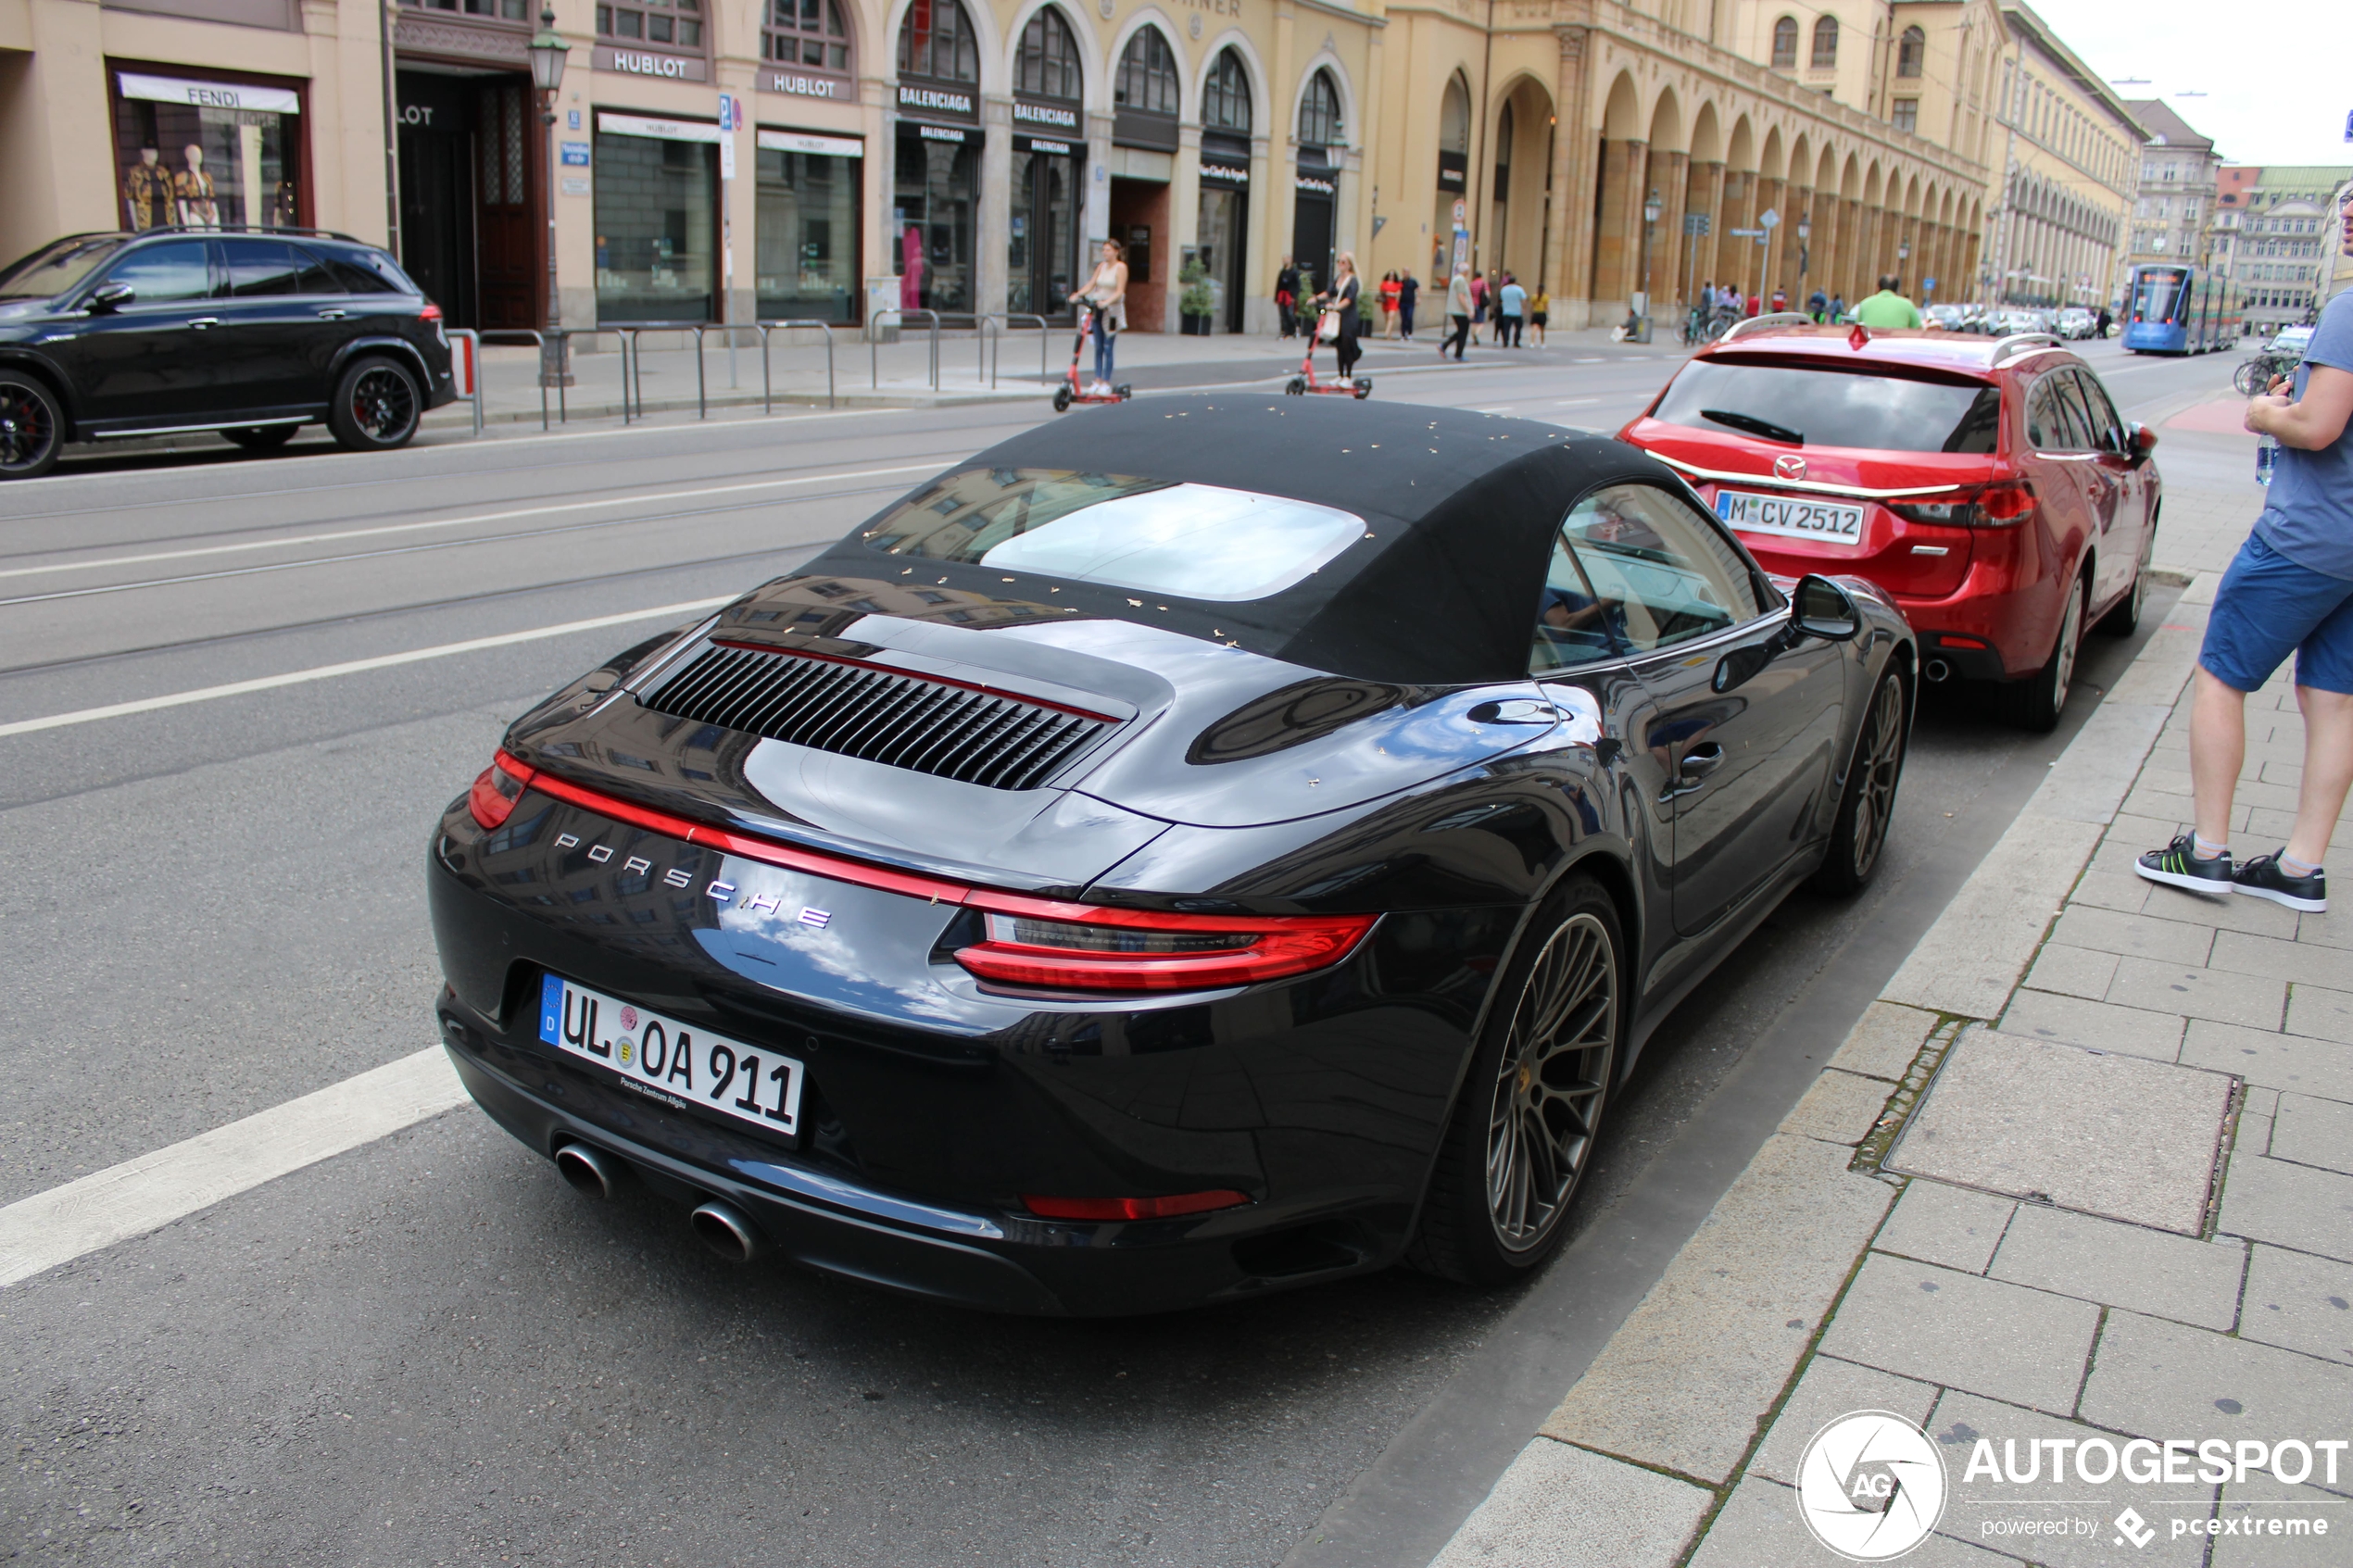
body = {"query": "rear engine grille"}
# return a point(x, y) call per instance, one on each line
point(877, 715)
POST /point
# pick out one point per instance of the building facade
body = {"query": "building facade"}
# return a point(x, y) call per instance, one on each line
point(2178, 190)
point(964, 156)
point(2275, 238)
point(2063, 177)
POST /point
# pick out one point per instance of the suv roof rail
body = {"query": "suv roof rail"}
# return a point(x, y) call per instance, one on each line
point(248, 229)
point(1773, 319)
point(2017, 344)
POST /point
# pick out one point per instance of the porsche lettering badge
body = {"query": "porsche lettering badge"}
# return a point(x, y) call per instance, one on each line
point(678, 876)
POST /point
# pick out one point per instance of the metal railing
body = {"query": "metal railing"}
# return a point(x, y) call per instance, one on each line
point(632, 364)
point(537, 339)
point(767, 389)
point(873, 341)
point(1045, 329)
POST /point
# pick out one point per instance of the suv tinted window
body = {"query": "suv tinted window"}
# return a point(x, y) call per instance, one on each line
point(1636, 568)
point(273, 267)
point(1810, 406)
point(175, 269)
point(369, 271)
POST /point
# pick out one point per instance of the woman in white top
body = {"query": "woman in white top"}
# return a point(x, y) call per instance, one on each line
point(1106, 296)
point(1342, 299)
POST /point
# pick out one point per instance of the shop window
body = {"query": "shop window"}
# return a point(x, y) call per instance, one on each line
point(1049, 63)
point(806, 237)
point(675, 24)
point(203, 167)
point(937, 41)
point(1825, 42)
point(1147, 82)
point(1785, 42)
point(1911, 53)
point(806, 33)
point(1319, 122)
point(1906, 116)
point(1225, 99)
point(657, 228)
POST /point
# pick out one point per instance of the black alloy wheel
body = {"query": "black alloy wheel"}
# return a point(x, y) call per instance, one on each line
point(32, 426)
point(1866, 808)
point(1524, 1122)
point(376, 406)
point(261, 438)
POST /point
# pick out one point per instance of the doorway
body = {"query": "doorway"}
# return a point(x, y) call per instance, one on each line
point(469, 193)
point(1042, 245)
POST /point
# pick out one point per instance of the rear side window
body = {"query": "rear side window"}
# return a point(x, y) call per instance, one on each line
point(369, 271)
point(260, 268)
point(1808, 406)
point(2055, 422)
point(2107, 431)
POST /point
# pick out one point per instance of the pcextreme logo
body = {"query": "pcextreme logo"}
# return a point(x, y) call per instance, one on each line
point(1870, 1486)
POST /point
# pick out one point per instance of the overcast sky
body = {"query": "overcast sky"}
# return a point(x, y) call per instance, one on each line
point(2277, 74)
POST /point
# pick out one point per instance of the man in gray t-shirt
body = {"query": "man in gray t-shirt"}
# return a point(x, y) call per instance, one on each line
point(2289, 590)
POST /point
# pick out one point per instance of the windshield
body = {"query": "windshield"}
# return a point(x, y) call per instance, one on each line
point(1193, 541)
point(2296, 339)
point(1803, 405)
point(54, 268)
point(2154, 293)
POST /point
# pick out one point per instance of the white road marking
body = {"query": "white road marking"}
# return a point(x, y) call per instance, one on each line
point(1595, 359)
point(40, 1232)
point(1572, 402)
point(354, 667)
point(293, 539)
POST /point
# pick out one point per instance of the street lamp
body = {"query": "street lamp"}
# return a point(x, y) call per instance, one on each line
point(548, 52)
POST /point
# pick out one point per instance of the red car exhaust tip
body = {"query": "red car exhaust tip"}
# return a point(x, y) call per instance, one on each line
point(1131, 1208)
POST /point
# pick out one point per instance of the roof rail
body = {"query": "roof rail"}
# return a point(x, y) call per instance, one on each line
point(244, 228)
point(2017, 344)
point(1773, 319)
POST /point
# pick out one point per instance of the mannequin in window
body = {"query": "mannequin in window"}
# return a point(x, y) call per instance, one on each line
point(192, 187)
point(146, 191)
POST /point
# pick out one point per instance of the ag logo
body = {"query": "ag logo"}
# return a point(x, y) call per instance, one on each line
point(1870, 1486)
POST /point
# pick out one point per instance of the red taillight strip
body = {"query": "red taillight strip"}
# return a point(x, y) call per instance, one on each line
point(1007, 693)
point(911, 885)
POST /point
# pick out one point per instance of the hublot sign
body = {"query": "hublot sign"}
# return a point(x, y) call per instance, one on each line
point(805, 86)
point(641, 62)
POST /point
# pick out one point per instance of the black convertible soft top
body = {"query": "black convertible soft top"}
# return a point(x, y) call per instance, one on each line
point(1460, 509)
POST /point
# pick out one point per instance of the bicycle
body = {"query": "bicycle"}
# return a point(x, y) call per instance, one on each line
point(2253, 376)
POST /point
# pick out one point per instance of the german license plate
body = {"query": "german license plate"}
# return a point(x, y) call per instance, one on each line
point(1827, 521)
point(678, 1061)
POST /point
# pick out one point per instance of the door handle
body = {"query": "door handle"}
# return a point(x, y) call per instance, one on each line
point(1701, 760)
point(201, 322)
point(332, 314)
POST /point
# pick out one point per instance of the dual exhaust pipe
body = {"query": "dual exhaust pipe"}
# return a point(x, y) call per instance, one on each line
point(721, 1226)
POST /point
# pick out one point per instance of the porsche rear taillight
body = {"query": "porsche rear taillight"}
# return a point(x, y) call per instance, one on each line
point(2006, 504)
point(1082, 947)
point(492, 800)
point(1132, 1207)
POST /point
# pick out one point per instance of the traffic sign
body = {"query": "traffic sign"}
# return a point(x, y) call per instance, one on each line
point(1768, 218)
point(1695, 223)
point(1747, 234)
point(1928, 283)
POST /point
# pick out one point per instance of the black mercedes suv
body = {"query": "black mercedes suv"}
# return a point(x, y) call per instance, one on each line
point(253, 332)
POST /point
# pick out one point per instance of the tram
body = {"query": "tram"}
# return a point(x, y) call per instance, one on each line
point(2170, 309)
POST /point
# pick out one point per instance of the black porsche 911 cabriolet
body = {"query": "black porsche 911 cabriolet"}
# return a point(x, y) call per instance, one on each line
point(1194, 848)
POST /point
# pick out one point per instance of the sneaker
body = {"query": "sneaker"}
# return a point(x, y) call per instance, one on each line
point(2177, 865)
point(2263, 877)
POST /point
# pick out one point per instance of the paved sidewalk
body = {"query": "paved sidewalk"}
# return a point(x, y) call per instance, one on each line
point(2083, 1175)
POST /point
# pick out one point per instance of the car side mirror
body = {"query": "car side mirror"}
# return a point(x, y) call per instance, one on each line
point(107, 298)
point(1821, 609)
point(2139, 441)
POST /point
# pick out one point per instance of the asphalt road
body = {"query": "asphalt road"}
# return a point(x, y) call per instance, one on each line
point(429, 1350)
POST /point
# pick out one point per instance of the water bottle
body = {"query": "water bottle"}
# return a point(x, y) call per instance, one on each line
point(2267, 458)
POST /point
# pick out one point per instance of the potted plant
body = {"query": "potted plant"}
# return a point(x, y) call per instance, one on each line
point(1197, 306)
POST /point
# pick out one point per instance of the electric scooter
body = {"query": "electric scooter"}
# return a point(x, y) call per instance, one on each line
point(1073, 390)
point(1300, 385)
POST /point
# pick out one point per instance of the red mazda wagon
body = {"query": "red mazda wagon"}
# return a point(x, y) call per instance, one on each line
point(1988, 483)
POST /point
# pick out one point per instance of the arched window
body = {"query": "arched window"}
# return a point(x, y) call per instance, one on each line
point(1453, 116)
point(937, 41)
point(1825, 42)
point(1911, 53)
point(1225, 99)
point(673, 24)
point(1319, 123)
point(1147, 82)
point(1049, 66)
point(807, 32)
point(1785, 42)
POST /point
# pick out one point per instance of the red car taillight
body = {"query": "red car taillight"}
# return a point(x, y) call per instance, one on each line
point(1131, 1208)
point(432, 312)
point(493, 798)
point(1082, 947)
point(1995, 505)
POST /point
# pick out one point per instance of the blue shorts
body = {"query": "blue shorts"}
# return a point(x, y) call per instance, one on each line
point(2269, 607)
